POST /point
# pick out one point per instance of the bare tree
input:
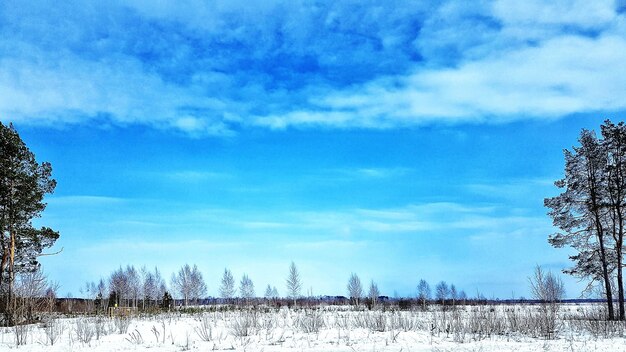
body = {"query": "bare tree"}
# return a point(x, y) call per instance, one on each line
point(227, 287)
point(188, 283)
point(30, 288)
point(90, 292)
point(453, 294)
point(423, 292)
point(101, 296)
point(373, 293)
point(355, 289)
point(134, 284)
point(149, 287)
point(268, 292)
point(550, 290)
point(118, 284)
point(198, 286)
point(51, 296)
point(163, 293)
point(462, 296)
point(294, 285)
point(442, 291)
point(271, 292)
point(152, 286)
point(546, 287)
point(246, 288)
point(143, 285)
point(161, 287)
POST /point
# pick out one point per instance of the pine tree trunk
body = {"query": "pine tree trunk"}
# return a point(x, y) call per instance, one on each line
point(3, 262)
point(620, 288)
point(620, 285)
point(600, 235)
point(606, 277)
point(11, 303)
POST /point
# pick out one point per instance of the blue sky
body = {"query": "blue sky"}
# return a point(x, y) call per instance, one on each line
point(397, 140)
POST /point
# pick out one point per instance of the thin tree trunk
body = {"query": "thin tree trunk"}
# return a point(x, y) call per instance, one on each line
point(11, 275)
point(600, 235)
point(3, 262)
point(605, 269)
point(620, 286)
point(620, 222)
point(618, 250)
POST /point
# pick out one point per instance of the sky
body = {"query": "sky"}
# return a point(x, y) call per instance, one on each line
point(398, 140)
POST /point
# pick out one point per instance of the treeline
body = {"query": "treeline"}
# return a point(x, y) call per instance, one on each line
point(147, 289)
point(128, 290)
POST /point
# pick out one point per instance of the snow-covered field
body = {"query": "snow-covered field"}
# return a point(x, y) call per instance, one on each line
point(466, 328)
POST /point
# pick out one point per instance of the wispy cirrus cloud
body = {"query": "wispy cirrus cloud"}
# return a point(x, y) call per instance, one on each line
point(514, 189)
point(426, 218)
point(364, 173)
point(82, 200)
point(216, 68)
point(195, 176)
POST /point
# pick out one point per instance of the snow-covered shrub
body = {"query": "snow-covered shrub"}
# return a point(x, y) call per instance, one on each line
point(53, 330)
point(121, 324)
point(311, 321)
point(84, 330)
point(204, 330)
point(21, 333)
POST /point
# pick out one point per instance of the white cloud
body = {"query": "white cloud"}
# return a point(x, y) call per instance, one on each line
point(565, 75)
point(213, 68)
point(579, 13)
point(70, 89)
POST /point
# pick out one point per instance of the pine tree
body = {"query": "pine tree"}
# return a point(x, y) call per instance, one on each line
point(589, 212)
point(23, 185)
point(167, 301)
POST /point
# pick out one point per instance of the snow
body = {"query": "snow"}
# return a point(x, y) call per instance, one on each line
point(327, 329)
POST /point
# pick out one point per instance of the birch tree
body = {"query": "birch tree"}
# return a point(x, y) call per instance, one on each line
point(268, 292)
point(227, 286)
point(373, 293)
point(442, 291)
point(355, 289)
point(294, 285)
point(189, 283)
point(423, 292)
point(246, 288)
